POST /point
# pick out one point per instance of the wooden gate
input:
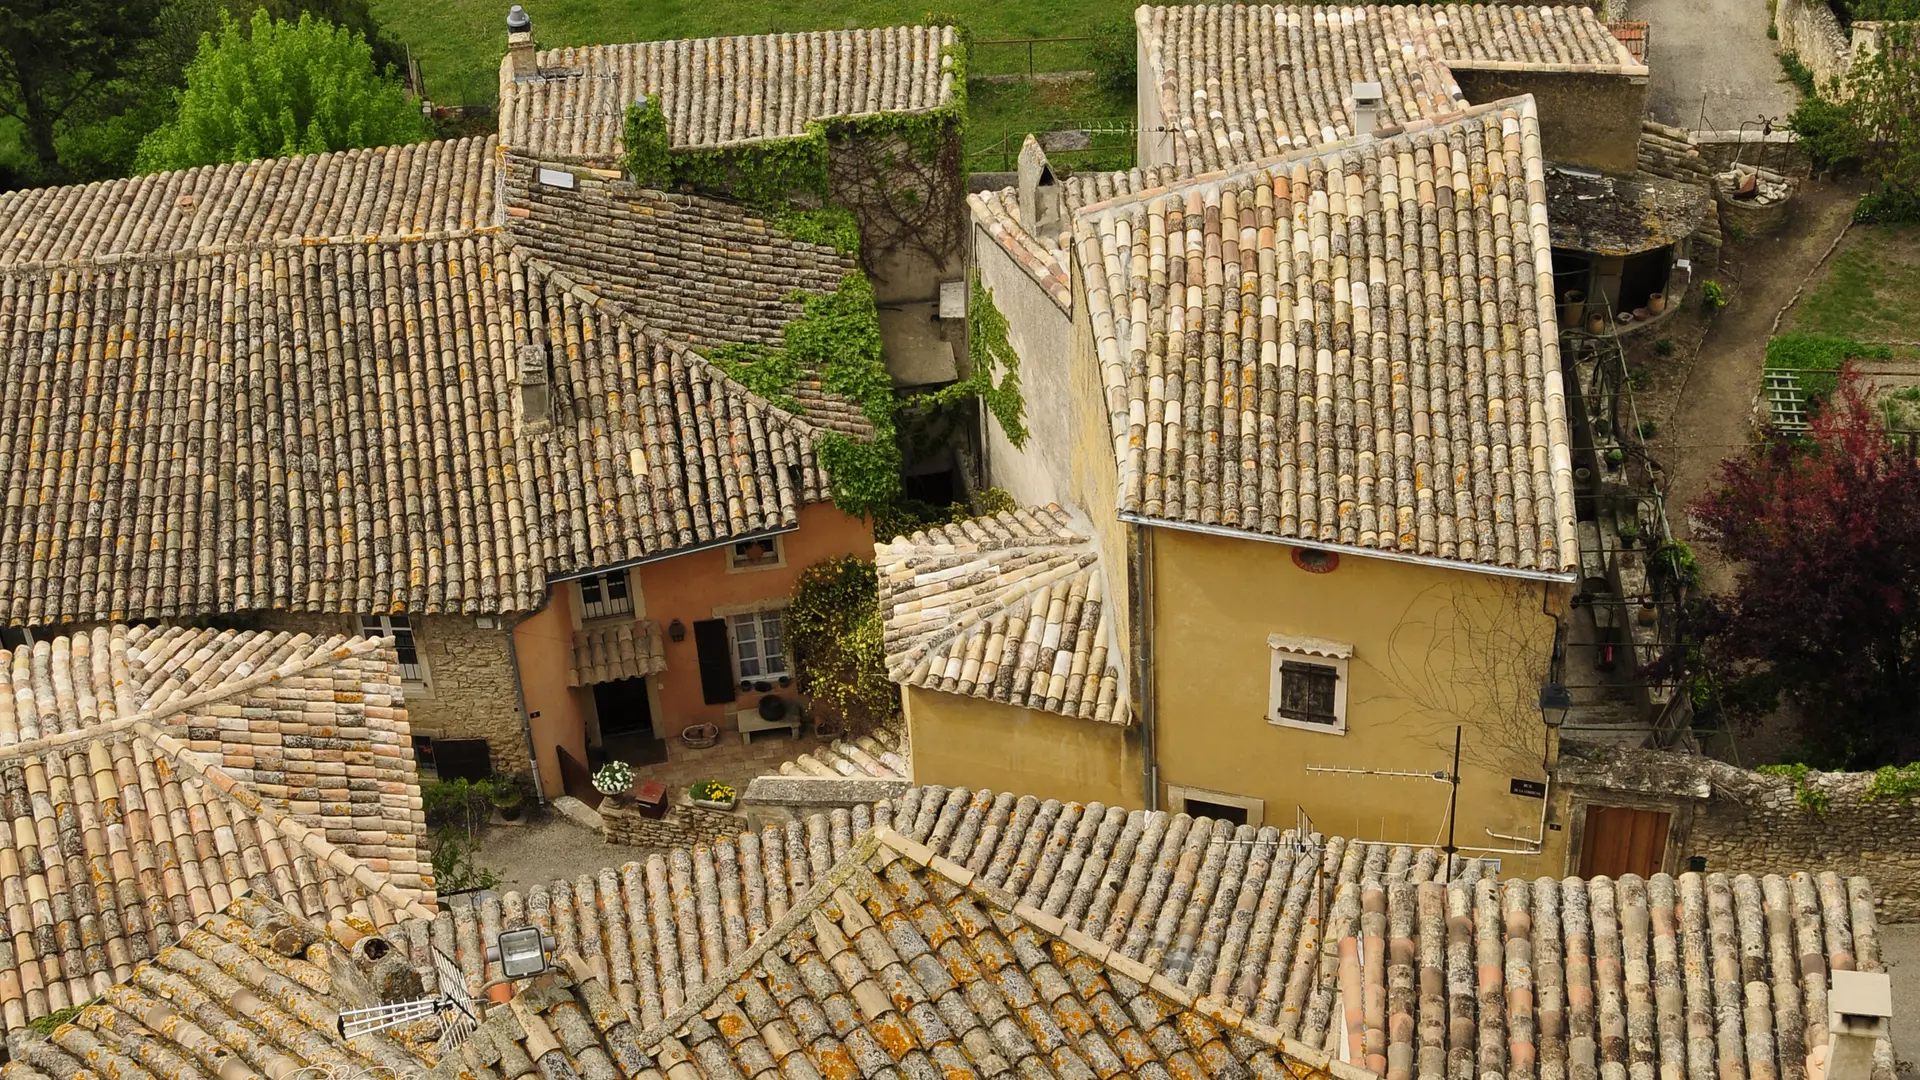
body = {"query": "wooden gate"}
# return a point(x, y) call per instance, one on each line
point(1621, 840)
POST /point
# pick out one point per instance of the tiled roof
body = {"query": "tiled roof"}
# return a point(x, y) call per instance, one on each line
point(1011, 608)
point(1272, 928)
point(124, 835)
point(252, 990)
point(1240, 82)
point(1353, 345)
point(291, 385)
point(881, 755)
point(897, 965)
point(722, 90)
point(1045, 257)
point(1632, 34)
point(619, 649)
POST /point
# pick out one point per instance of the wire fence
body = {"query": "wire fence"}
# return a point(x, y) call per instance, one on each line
point(1029, 57)
point(1072, 144)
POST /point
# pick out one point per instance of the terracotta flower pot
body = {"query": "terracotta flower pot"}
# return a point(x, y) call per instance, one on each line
point(1657, 303)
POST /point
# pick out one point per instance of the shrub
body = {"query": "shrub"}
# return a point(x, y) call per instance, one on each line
point(279, 89)
point(1798, 73)
point(1664, 346)
point(1713, 294)
point(839, 644)
point(1114, 56)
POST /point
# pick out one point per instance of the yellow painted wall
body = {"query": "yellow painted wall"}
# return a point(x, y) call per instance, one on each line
point(1432, 648)
point(974, 743)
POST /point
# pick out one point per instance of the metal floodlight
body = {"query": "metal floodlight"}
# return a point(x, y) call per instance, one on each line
point(523, 952)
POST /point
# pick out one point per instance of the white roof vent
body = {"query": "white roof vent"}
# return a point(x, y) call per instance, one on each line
point(1368, 102)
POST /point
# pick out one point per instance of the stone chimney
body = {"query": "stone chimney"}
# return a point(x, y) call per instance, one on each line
point(1042, 204)
point(520, 43)
point(1367, 103)
point(535, 394)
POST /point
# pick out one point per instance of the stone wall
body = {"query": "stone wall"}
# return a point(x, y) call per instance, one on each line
point(683, 826)
point(1589, 119)
point(1746, 822)
point(470, 691)
point(1809, 30)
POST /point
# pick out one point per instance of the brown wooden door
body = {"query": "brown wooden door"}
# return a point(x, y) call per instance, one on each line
point(1621, 840)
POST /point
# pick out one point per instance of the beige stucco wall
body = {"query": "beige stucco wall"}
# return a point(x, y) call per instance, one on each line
point(974, 743)
point(1042, 336)
point(1588, 119)
point(1432, 648)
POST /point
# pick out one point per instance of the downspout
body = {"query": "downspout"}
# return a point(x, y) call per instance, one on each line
point(520, 696)
point(1140, 573)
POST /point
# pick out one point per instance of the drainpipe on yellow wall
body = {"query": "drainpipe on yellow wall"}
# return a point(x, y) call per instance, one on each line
point(520, 695)
point(1140, 575)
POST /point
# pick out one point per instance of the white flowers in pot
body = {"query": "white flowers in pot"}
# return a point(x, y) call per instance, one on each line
point(614, 778)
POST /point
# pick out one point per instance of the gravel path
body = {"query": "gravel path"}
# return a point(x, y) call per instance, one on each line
point(545, 849)
point(1717, 51)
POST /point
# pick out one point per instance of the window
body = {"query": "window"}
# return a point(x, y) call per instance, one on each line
point(1218, 805)
point(759, 645)
point(1308, 684)
point(412, 668)
point(605, 595)
point(761, 554)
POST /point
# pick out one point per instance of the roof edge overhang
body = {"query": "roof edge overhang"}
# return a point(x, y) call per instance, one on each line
point(1560, 576)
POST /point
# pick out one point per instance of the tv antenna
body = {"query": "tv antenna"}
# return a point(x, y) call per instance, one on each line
point(1451, 778)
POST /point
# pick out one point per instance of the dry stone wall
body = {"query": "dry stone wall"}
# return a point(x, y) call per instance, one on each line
point(1809, 30)
point(684, 825)
point(1753, 823)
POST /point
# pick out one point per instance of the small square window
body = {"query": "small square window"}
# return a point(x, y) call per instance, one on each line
point(1308, 684)
point(761, 554)
point(413, 669)
point(604, 596)
point(1218, 805)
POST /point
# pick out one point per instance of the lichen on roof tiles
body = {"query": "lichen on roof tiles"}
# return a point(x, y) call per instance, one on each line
point(1011, 608)
point(1351, 345)
point(152, 775)
point(1239, 82)
point(1264, 924)
point(292, 385)
point(715, 91)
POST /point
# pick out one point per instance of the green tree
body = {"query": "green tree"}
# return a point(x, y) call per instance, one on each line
point(282, 88)
point(1870, 119)
point(59, 57)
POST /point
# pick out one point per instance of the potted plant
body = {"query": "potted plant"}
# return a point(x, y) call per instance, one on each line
point(1615, 458)
point(1602, 426)
point(507, 798)
point(712, 794)
point(614, 779)
point(1629, 531)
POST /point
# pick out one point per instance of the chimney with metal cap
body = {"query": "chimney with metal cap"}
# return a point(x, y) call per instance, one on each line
point(520, 43)
point(1367, 101)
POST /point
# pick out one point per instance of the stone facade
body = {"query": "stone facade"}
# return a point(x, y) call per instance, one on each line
point(470, 691)
point(1809, 30)
point(684, 826)
point(1746, 822)
point(1588, 119)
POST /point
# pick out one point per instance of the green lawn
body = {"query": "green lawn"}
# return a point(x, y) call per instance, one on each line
point(459, 42)
point(999, 115)
point(1871, 290)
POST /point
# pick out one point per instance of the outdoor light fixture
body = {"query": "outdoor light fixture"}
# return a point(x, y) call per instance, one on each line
point(520, 952)
point(677, 630)
point(1555, 702)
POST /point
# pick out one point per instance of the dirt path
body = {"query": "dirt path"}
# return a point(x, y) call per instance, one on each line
point(1716, 51)
point(1712, 419)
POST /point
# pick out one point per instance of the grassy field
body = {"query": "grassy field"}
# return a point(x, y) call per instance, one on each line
point(1871, 291)
point(459, 42)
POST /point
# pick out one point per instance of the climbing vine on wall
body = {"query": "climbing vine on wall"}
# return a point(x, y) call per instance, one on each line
point(838, 336)
point(900, 175)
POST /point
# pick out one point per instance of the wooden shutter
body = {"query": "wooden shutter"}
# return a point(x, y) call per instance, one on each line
point(716, 660)
point(1307, 692)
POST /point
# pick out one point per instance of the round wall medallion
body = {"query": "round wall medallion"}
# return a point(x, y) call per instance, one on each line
point(1315, 562)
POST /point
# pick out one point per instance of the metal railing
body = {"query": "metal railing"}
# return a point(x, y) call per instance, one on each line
point(1019, 43)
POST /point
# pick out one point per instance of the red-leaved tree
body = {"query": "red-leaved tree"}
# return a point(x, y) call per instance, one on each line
point(1827, 610)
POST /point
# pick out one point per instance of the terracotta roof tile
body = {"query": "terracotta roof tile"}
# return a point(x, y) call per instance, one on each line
point(1249, 928)
point(1240, 82)
point(123, 838)
point(617, 649)
point(1011, 608)
point(722, 90)
point(1352, 345)
point(292, 385)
